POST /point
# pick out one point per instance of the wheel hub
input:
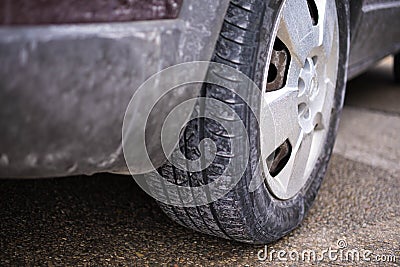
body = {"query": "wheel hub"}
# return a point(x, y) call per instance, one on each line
point(308, 91)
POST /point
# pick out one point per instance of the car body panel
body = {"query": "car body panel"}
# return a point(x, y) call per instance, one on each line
point(64, 88)
point(375, 32)
point(45, 12)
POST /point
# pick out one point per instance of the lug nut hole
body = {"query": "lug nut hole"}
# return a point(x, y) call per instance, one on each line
point(315, 60)
point(302, 86)
point(304, 111)
point(272, 73)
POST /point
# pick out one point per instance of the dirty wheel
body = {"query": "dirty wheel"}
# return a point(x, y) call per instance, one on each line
point(296, 52)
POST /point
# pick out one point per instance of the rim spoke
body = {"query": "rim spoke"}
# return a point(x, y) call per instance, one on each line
point(326, 108)
point(295, 168)
point(281, 111)
point(296, 29)
point(300, 161)
point(325, 28)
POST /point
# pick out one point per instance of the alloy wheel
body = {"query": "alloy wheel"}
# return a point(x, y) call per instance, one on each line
point(298, 91)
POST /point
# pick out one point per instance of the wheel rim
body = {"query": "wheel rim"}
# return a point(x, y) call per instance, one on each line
point(298, 90)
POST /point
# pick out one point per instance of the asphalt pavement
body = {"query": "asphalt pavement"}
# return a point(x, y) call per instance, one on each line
point(107, 220)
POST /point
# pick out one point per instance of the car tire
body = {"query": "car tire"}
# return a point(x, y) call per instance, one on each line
point(251, 216)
